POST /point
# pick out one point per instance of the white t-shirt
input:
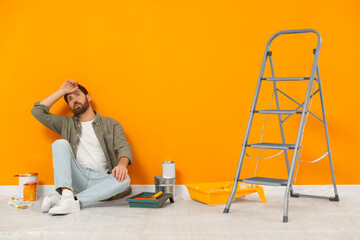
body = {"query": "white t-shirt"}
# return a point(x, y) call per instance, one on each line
point(89, 153)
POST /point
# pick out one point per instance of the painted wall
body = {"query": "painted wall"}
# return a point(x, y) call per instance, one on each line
point(180, 77)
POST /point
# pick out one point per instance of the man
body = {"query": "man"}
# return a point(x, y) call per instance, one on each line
point(91, 158)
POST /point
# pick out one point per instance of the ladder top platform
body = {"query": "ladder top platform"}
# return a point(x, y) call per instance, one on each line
point(278, 111)
point(265, 181)
point(287, 78)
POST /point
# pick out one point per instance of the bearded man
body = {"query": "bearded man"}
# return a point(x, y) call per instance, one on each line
point(90, 160)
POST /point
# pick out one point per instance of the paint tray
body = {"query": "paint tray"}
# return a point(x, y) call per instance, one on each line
point(156, 203)
point(219, 192)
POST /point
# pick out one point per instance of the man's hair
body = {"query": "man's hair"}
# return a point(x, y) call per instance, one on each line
point(83, 89)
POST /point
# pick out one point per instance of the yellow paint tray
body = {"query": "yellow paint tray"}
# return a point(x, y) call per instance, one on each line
point(219, 192)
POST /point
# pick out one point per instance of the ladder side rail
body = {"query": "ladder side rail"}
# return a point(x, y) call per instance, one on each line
point(301, 127)
point(296, 150)
point(336, 198)
point(247, 133)
point(295, 31)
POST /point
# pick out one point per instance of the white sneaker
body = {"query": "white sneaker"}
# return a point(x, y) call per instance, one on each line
point(66, 205)
point(49, 202)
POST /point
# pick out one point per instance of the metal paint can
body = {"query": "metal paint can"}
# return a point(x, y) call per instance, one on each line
point(26, 178)
point(166, 185)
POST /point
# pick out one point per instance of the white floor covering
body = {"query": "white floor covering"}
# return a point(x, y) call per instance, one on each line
point(187, 219)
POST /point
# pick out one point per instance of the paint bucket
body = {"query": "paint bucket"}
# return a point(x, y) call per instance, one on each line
point(30, 193)
point(168, 169)
point(26, 178)
point(166, 185)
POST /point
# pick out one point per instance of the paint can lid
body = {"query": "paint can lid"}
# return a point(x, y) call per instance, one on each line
point(26, 175)
point(168, 162)
point(30, 183)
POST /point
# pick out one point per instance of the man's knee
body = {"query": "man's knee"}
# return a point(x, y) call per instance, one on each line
point(121, 186)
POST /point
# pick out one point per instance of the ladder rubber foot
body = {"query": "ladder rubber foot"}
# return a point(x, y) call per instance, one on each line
point(226, 210)
point(294, 195)
point(285, 219)
point(335, 199)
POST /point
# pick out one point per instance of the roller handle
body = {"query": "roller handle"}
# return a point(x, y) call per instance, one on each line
point(157, 195)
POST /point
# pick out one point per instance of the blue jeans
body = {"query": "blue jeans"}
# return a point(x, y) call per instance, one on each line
point(88, 186)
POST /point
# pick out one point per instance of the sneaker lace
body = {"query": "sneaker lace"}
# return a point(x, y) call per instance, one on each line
point(61, 199)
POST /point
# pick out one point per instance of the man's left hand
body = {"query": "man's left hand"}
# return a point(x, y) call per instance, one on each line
point(120, 173)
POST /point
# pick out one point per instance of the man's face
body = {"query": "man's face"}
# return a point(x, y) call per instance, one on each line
point(78, 102)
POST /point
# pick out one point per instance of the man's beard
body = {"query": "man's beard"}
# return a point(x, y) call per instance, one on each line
point(82, 109)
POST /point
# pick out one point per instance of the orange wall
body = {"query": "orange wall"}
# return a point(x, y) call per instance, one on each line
point(180, 77)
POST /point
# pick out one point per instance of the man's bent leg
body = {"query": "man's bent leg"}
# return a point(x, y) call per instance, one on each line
point(101, 188)
point(67, 173)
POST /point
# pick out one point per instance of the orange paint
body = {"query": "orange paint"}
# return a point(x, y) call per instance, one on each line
point(180, 77)
point(30, 193)
point(153, 199)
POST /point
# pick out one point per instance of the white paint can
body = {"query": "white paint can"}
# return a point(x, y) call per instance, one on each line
point(26, 178)
point(168, 169)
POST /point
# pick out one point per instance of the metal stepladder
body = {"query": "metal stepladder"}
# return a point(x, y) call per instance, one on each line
point(284, 146)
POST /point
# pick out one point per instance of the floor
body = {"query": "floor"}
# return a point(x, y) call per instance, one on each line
point(187, 219)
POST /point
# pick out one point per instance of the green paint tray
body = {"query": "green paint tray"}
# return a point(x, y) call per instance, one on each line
point(156, 203)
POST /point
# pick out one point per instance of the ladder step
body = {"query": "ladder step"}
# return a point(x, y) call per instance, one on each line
point(278, 112)
point(272, 146)
point(266, 181)
point(287, 79)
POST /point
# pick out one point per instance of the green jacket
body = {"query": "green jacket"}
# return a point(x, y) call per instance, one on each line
point(108, 131)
